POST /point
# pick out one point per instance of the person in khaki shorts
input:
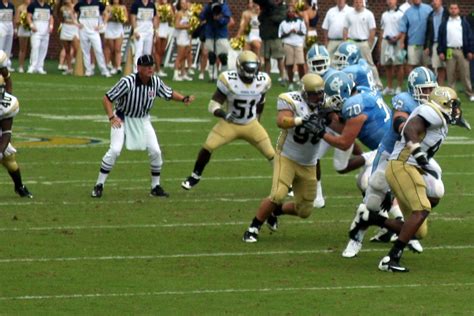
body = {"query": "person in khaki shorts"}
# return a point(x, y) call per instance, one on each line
point(413, 175)
point(456, 47)
point(244, 92)
point(292, 31)
point(296, 157)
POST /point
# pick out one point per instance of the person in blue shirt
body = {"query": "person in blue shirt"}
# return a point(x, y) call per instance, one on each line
point(421, 81)
point(413, 28)
point(216, 16)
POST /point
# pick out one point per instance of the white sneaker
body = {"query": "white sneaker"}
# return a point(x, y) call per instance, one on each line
point(62, 67)
point(201, 76)
point(89, 73)
point(471, 98)
point(415, 246)
point(398, 90)
point(21, 70)
point(67, 72)
point(187, 78)
point(161, 73)
point(352, 249)
point(113, 71)
point(191, 71)
point(31, 71)
point(107, 74)
point(177, 78)
point(319, 201)
point(42, 72)
point(387, 91)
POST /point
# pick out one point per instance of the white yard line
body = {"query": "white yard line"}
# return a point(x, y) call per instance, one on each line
point(205, 255)
point(236, 291)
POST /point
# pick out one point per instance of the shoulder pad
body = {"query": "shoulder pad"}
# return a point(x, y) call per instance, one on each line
point(431, 114)
point(223, 83)
point(286, 101)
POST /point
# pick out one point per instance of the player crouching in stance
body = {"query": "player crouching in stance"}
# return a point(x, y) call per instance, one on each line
point(422, 136)
point(296, 156)
point(244, 92)
point(9, 108)
point(130, 123)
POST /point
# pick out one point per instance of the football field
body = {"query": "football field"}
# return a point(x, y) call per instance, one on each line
point(129, 253)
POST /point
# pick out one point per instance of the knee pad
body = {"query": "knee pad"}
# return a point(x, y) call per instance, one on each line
point(363, 179)
point(223, 59)
point(212, 58)
point(304, 209)
point(434, 187)
point(10, 163)
point(341, 159)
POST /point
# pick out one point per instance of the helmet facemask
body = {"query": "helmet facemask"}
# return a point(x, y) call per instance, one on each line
point(319, 65)
point(340, 61)
point(314, 99)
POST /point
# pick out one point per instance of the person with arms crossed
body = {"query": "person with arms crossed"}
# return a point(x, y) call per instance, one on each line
point(130, 122)
point(244, 92)
point(296, 157)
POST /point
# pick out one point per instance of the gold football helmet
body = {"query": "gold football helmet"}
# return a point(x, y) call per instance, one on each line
point(247, 65)
point(447, 101)
point(313, 91)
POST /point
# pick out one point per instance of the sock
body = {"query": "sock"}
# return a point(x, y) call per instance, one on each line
point(16, 177)
point(397, 250)
point(102, 177)
point(376, 219)
point(256, 223)
point(155, 179)
point(278, 211)
point(319, 190)
point(395, 211)
point(203, 158)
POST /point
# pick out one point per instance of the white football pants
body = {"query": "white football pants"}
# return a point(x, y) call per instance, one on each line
point(117, 139)
point(143, 46)
point(39, 48)
point(89, 39)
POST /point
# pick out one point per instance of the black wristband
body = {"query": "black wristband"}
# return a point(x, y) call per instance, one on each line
point(111, 117)
point(185, 99)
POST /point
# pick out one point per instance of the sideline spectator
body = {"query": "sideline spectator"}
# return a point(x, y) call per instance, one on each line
point(292, 31)
point(7, 23)
point(435, 18)
point(144, 22)
point(69, 35)
point(456, 47)
point(249, 23)
point(23, 34)
point(470, 19)
point(413, 28)
point(333, 26)
point(359, 26)
point(390, 53)
point(40, 18)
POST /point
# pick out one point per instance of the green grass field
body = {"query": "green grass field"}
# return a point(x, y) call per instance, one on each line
point(128, 253)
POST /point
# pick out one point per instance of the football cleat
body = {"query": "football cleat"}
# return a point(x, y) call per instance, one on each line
point(352, 249)
point(383, 235)
point(319, 202)
point(251, 235)
point(415, 246)
point(390, 265)
point(97, 190)
point(190, 182)
point(23, 192)
point(158, 191)
point(272, 223)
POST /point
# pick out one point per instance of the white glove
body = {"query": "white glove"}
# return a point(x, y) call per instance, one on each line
point(10, 150)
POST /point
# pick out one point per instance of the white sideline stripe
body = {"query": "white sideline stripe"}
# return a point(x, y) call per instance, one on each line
point(208, 224)
point(208, 255)
point(230, 291)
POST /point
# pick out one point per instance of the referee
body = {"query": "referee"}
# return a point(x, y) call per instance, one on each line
point(130, 123)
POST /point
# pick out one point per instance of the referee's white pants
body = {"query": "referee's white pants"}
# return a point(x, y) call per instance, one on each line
point(6, 42)
point(39, 48)
point(143, 46)
point(117, 139)
point(90, 39)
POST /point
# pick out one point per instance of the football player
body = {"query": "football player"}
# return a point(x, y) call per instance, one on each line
point(296, 158)
point(421, 81)
point(244, 92)
point(347, 59)
point(9, 108)
point(422, 135)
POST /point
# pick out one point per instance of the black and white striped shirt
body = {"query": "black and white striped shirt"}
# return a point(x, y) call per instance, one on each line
point(134, 98)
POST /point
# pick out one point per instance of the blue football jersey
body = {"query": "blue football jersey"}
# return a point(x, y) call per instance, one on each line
point(402, 102)
point(378, 117)
point(361, 74)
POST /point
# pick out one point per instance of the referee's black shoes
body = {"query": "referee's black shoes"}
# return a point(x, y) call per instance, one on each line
point(158, 192)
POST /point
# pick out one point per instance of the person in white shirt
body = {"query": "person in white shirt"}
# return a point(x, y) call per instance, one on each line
point(7, 14)
point(90, 21)
point(144, 21)
point(359, 26)
point(456, 48)
point(333, 26)
point(292, 31)
point(40, 19)
point(390, 55)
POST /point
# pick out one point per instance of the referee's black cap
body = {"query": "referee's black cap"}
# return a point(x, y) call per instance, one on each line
point(145, 60)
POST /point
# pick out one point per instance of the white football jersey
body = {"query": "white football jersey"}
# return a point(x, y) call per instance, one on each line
point(9, 106)
point(297, 143)
point(242, 98)
point(435, 134)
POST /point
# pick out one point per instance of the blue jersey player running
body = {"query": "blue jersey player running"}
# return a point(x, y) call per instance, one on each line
point(421, 82)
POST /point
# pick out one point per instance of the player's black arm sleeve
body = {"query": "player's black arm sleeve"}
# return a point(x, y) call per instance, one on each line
point(220, 98)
